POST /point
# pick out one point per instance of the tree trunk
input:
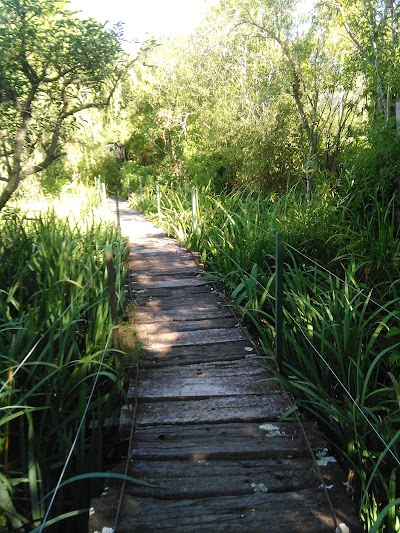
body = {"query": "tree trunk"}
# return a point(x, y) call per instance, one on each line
point(10, 188)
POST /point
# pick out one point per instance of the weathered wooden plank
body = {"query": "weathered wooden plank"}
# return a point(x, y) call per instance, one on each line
point(201, 386)
point(202, 352)
point(181, 314)
point(145, 278)
point(218, 369)
point(163, 360)
point(174, 253)
point(209, 410)
point(162, 262)
point(207, 478)
point(168, 314)
point(303, 511)
point(188, 292)
point(196, 354)
point(164, 295)
point(153, 248)
point(203, 300)
point(245, 440)
point(160, 341)
point(147, 281)
point(165, 292)
point(159, 266)
point(164, 272)
point(159, 328)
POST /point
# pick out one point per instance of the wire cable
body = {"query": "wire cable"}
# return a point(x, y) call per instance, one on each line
point(344, 388)
point(341, 280)
point(78, 431)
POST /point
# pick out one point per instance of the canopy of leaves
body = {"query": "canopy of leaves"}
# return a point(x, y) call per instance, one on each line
point(258, 94)
point(52, 66)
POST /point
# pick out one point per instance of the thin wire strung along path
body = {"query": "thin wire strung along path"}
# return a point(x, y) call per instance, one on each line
point(205, 414)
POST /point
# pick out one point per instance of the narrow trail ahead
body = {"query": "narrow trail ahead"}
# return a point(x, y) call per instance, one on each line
point(207, 432)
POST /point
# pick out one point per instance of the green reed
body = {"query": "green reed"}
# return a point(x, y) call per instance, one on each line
point(336, 325)
point(55, 313)
point(341, 351)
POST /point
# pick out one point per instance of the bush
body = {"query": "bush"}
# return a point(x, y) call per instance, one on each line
point(108, 169)
point(372, 163)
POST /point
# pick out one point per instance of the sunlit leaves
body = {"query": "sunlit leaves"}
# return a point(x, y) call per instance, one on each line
point(53, 66)
point(372, 26)
point(258, 94)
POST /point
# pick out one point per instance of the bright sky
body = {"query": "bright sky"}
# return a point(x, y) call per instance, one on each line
point(144, 18)
point(141, 17)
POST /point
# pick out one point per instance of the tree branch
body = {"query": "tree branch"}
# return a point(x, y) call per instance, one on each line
point(6, 154)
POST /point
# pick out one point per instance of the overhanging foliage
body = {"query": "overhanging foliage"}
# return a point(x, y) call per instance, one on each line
point(53, 65)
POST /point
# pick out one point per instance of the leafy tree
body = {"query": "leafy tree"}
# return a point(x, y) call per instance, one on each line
point(53, 65)
point(373, 27)
point(257, 95)
point(212, 108)
point(314, 60)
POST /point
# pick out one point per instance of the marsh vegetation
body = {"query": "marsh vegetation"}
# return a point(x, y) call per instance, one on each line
point(267, 118)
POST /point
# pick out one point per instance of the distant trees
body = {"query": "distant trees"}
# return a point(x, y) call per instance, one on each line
point(266, 95)
point(260, 94)
point(373, 27)
point(53, 65)
point(256, 95)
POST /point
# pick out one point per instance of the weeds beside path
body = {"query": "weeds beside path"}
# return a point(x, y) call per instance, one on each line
point(54, 324)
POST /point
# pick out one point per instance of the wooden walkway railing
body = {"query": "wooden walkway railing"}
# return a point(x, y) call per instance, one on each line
point(207, 436)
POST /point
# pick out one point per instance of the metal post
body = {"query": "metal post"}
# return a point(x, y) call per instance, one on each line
point(158, 201)
point(279, 299)
point(113, 300)
point(118, 215)
point(194, 208)
point(97, 186)
point(7, 428)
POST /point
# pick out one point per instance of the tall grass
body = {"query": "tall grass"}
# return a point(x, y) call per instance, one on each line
point(341, 351)
point(342, 363)
point(54, 321)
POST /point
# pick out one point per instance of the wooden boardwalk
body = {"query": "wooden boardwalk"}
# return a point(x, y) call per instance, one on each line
point(207, 435)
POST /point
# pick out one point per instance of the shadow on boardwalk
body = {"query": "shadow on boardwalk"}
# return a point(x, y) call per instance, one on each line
point(207, 435)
